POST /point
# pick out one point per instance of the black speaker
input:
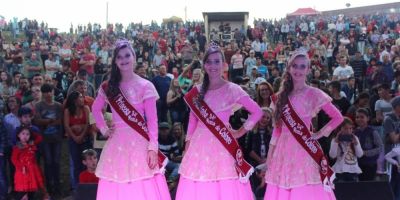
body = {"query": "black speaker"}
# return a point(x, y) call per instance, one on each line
point(365, 190)
point(86, 192)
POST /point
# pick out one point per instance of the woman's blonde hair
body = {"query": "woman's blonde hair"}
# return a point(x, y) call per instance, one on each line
point(266, 110)
point(171, 85)
point(201, 74)
point(287, 83)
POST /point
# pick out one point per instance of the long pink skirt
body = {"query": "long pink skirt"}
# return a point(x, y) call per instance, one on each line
point(230, 189)
point(154, 188)
point(309, 192)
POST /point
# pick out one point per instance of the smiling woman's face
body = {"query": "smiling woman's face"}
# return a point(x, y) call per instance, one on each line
point(214, 65)
point(125, 59)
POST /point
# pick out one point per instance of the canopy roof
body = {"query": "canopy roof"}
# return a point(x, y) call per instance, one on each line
point(304, 11)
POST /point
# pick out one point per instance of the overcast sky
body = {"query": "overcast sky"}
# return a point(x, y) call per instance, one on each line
point(60, 14)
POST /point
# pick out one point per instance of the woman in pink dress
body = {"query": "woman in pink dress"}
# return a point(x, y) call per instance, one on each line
point(292, 174)
point(128, 164)
point(208, 170)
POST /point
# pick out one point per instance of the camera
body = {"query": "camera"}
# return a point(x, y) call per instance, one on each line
point(345, 138)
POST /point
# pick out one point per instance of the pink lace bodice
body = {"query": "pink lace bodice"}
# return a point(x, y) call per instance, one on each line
point(291, 165)
point(124, 157)
point(206, 159)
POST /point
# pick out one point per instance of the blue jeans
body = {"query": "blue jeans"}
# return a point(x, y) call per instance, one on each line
point(52, 157)
point(75, 157)
point(8, 165)
point(162, 110)
point(3, 182)
point(172, 167)
point(176, 115)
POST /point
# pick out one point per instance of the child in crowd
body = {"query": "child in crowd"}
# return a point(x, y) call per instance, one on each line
point(346, 148)
point(89, 159)
point(25, 116)
point(371, 143)
point(28, 176)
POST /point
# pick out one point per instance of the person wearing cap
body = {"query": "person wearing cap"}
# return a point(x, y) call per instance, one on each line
point(253, 76)
point(258, 81)
point(250, 62)
point(169, 146)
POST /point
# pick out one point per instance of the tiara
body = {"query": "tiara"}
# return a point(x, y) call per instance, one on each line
point(299, 51)
point(121, 42)
point(213, 46)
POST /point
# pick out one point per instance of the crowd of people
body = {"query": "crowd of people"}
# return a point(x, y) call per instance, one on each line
point(49, 82)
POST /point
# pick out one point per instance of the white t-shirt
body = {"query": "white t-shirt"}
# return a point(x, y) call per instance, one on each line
point(256, 46)
point(383, 106)
point(65, 52)
point(343, 72)
point(49, 63)
point(237, 61)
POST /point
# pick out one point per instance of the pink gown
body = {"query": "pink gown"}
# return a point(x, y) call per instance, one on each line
point(207, 170)
point(122, 169)
point(293, 174)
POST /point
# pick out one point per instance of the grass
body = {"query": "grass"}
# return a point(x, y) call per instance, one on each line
point(7, 35)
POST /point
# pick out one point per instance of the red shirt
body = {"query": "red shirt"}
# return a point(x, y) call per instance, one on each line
point(155, 34)
point(74, 65)
point(88, 177)
point(163, 45)
point(89, 57)
point(28, 176)
point(88, 101)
